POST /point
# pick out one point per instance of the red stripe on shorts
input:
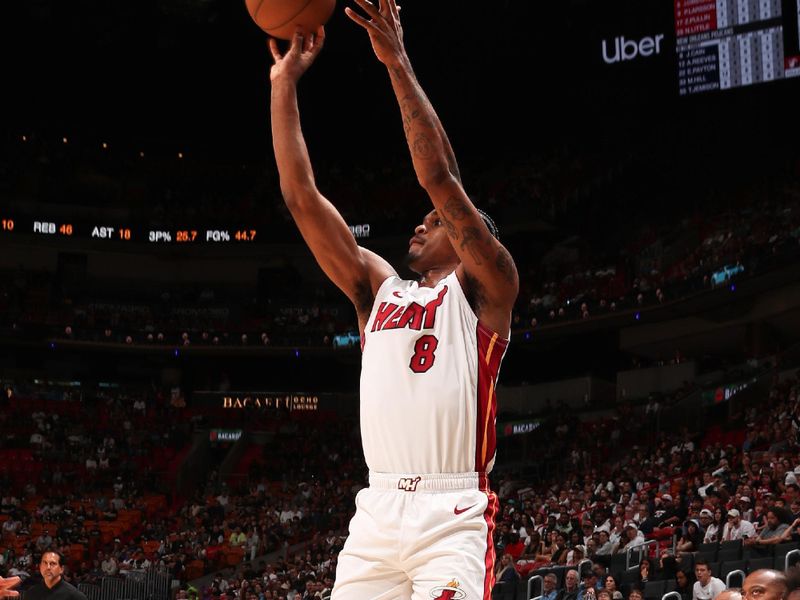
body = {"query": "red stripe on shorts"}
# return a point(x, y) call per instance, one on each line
point(489, 515)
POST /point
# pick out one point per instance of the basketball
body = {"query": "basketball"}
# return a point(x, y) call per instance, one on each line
point(280, 18)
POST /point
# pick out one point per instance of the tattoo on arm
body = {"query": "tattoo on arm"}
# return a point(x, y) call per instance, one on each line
point(505, 265)
point(456, 208)
point(473, 242)
point(421, 146)
point(452, 232)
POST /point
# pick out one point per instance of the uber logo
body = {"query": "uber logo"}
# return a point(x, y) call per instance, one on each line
point(630, 49)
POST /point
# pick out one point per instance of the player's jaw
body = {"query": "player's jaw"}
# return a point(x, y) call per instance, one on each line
point(415, 252)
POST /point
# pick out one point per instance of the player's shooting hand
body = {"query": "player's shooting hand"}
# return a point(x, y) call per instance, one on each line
point(384, 28)
point(302, 52)
point(6, 583)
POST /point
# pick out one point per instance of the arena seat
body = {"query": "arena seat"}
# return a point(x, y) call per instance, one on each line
point(781, 550)
point(150, 547)
point(195, 569)
point(504, 591)
point(730, 548)
point(707, 556)
point(732, 565)
point(234, 555)
point(753, 552)
point(712, 547)
point(654, 590)
point(754, 564)
point(729, 554)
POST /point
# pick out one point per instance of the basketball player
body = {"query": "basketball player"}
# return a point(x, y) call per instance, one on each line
point(431, 348)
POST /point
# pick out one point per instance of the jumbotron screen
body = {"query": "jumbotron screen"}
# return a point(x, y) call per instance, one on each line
point(725, 44)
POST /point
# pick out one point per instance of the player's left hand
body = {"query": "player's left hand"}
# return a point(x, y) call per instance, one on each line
point(384, 28)
point(302, 52)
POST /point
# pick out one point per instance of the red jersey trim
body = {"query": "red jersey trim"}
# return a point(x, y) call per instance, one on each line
point(491, 349)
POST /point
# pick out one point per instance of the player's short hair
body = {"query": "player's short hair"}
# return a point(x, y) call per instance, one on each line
point(490, 224)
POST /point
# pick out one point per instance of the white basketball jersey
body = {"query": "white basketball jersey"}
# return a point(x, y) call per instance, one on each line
point(428, 377)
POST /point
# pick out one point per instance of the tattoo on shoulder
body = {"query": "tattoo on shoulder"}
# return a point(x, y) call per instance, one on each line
point(472, 241)
point(505, 265)
point(456, 208)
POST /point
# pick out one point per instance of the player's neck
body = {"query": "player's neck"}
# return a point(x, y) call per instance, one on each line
point(431, 277)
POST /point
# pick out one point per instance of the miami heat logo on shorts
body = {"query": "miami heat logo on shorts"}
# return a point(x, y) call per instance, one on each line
point(450, 591)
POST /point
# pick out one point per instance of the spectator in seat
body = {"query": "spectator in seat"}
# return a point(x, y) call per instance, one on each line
point(666, 516)
point(109, 566)
point(716, 528)
point(646, 572)
point(44, 541)
point(237, 537)
point(588, 589)
point(605, 547)
point(706, 587)
point(684, 583)
point(570, 589)
point(506, 570)
point(559, 557)
point(706, 518)
point(514, 546)
point(588, 531)
point(737, 528)
point(635, 594)
point(691, 538)
point(549, 591)
point(667, 565)
point(575, 556)
point(611, 585)
point(631, 537)
point(746, 508)
point(778, 520)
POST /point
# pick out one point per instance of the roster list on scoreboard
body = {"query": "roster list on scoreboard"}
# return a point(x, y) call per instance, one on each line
point(724, 44)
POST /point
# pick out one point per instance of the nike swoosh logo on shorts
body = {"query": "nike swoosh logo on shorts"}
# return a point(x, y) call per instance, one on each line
point(458, 511)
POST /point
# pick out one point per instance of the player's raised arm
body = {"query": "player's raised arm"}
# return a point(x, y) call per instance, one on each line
point(356, 271)
point(486, 263)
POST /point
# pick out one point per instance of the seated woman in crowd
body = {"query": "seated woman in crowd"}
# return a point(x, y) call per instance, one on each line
point(684, 582)
point(714, 530)
point(507, 570)
point(691, 538)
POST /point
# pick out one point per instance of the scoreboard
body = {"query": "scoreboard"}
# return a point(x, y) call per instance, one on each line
point(121, 232)
point(109, 231)
point(724, 44)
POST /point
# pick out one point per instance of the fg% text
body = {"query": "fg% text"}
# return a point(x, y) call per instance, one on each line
point(208, 235)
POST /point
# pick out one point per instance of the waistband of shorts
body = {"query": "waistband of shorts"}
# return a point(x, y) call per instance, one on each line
point(428, 482)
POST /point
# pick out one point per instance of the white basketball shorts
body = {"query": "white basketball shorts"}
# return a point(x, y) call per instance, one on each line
point(420, 537)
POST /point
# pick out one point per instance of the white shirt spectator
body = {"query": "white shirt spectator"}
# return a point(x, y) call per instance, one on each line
point(707, 592)
point(712, 534)
point(287, 515)
point(734, 532)
point(685, 446)
point(109, 566)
